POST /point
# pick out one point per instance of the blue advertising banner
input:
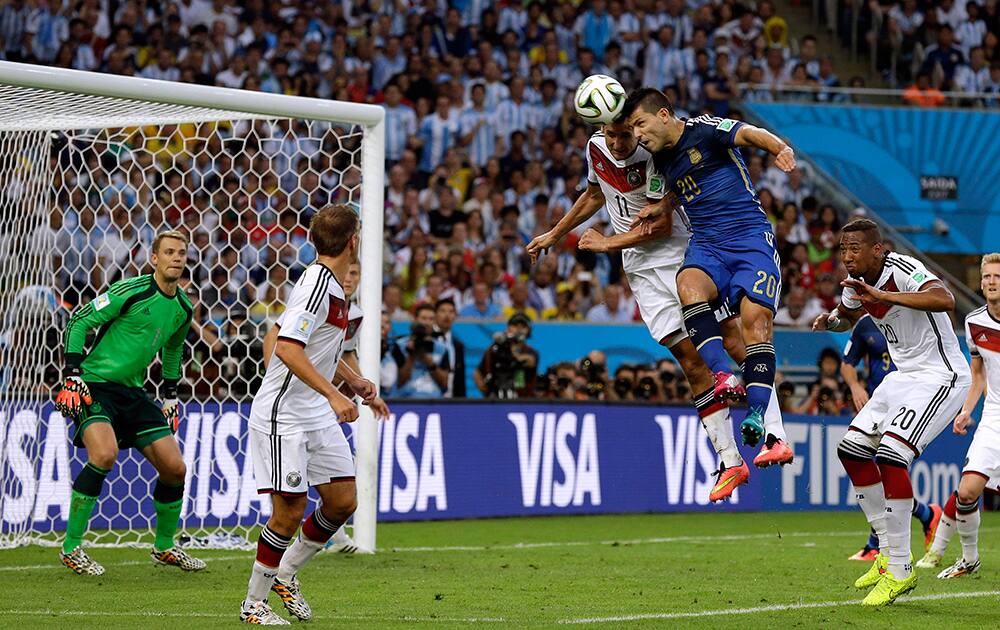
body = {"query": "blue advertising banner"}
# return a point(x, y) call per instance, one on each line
point(462, 460)
point(910, 165)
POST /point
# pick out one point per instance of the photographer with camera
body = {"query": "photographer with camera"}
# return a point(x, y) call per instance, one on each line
point(624, 383)
point(422, 358)
point(508, 368)
point(594, 372)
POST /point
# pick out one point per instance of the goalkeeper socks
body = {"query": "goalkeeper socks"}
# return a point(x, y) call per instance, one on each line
point(968, 529)
point(719, 426)
point(946, 527)
point(706, 335)
point(923, 513)
point(898, 507)
point(758, 374)
point(86, 490)
point(270, 547)
point(316, 530)
point(773, 424)
point(168, 501)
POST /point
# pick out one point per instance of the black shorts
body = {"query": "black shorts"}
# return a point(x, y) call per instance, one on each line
point(136, 419)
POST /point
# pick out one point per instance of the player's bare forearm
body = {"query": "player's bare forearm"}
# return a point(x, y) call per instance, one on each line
point(840, 319)
point(661, 226)
point(294, 356)
point(585, 206)
point(978, 385)
point(270, 340)
point(934, 298)
point(751, 136)
point(850, 374)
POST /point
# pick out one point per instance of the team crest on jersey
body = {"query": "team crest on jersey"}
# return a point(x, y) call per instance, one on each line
point(293, 479)
point(352, 328)
point(634, 178)
point(694, 155)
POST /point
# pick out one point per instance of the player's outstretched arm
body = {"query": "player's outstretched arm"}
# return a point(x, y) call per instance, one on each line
point(964, 419)
point(840, 319)
point(751, 136)
point(932, 297)
point(585, 206)
point(294, 357)
point(660, 226)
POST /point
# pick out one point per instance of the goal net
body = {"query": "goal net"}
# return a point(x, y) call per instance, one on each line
point(92, 167)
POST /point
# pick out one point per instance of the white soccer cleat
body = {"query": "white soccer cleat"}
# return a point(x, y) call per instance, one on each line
point(260, 614)
point(177, 557)
point(80, 563)
point(960, 568)
point(931, 560)
point(291, 596)
point(340, 542)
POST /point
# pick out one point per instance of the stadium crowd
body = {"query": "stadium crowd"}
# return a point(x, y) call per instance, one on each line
point(483, 151)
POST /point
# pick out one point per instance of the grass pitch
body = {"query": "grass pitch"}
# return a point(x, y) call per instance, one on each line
point(688, 570)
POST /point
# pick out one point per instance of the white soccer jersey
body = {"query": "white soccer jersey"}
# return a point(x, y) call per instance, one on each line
point(317, 318)
point(354, 316)
point(982, 332)
point(918, 341)
point(626, 185)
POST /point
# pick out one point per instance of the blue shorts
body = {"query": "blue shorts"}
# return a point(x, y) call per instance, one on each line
point(747, 267)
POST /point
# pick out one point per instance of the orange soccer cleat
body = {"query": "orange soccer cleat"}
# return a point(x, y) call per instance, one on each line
point(728, 388)
point(931, 529)
point(729, 479)
point(774, 451)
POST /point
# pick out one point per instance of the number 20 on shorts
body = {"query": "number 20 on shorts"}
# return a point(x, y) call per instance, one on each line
point(766, 285)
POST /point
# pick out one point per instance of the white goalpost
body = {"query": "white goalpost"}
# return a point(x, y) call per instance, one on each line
point(91, 167)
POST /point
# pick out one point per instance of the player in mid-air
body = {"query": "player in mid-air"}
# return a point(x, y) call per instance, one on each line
point(623, 179)
point(867, 343)
point(136, 319)
point(911, 406)
point(295, 440)
point(731, 255)
point(982, 463)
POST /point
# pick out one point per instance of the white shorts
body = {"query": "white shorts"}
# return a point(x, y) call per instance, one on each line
point(655, 291)
point(912, 408)
point(983, 458)
point(290, 464)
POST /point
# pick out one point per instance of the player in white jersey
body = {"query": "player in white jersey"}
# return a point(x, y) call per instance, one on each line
point(982, 462)
point(623, 179)
point(910, 407)
point(295, 440)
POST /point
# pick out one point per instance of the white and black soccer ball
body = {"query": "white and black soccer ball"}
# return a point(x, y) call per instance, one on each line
point(599, 99)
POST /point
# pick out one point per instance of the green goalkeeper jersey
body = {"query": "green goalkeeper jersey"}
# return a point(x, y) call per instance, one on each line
point(134, 320)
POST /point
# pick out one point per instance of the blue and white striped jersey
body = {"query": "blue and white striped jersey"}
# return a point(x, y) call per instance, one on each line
point(484, 142)
point(400, 124)
point(438, 135)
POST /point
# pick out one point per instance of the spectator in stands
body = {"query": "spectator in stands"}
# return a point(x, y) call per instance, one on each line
point(941, 59)
point(481, 305)
point(519, 305)
point(799, 310)
point(610, 310)
point(508, 367)
point(922, 93)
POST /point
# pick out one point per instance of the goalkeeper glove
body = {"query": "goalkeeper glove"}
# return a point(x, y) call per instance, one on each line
point(72, 396)
point(171, 408)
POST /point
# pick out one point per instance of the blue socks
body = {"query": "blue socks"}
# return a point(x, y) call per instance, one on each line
point(706, 335)
point(923, 512)
point(758, 374)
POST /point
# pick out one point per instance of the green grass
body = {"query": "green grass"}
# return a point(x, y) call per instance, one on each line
point(661, 564)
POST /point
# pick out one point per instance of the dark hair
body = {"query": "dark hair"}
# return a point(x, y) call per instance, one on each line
point(870, 229)
point(332, 227)
point(422, 307)
point(650, 100)
point(443, 302)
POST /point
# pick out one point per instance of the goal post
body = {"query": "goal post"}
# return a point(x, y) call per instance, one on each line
point(127, 157)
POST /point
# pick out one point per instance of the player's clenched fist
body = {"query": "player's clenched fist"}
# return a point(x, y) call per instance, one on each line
point(343, 406)
point(72, 396)
point(172, 412)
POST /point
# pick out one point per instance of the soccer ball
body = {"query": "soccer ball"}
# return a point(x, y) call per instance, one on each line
point(599, 99)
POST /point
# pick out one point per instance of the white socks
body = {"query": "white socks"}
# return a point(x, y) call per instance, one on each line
point(261, 579)
point(946, 529)
point(719, 426)
point(968, 530)
point(300, 552)
point(872, 502)
point(898, 513)
point(772, 419)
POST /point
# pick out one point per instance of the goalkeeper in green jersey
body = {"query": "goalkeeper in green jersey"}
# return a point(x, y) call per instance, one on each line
point(103, 394)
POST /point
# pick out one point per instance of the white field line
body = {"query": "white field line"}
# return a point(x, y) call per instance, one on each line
point(726, 612)
point(146, 614)
point(775, 536)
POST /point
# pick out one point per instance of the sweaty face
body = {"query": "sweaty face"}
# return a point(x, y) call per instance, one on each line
point(649, 129)
point(860, 256)
point(991, 281)
point(170, 258)
point(620, 140)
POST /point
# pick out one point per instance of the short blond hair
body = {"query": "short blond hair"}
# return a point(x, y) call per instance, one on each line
point(989, 259)
point(180, 236)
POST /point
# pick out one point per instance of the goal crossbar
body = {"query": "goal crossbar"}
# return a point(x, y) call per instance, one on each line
point(182, 102)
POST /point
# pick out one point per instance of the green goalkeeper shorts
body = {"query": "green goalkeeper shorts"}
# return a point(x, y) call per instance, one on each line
point(136, 419)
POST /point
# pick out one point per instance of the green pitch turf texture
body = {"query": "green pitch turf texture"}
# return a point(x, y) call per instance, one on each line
point(688, 570)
